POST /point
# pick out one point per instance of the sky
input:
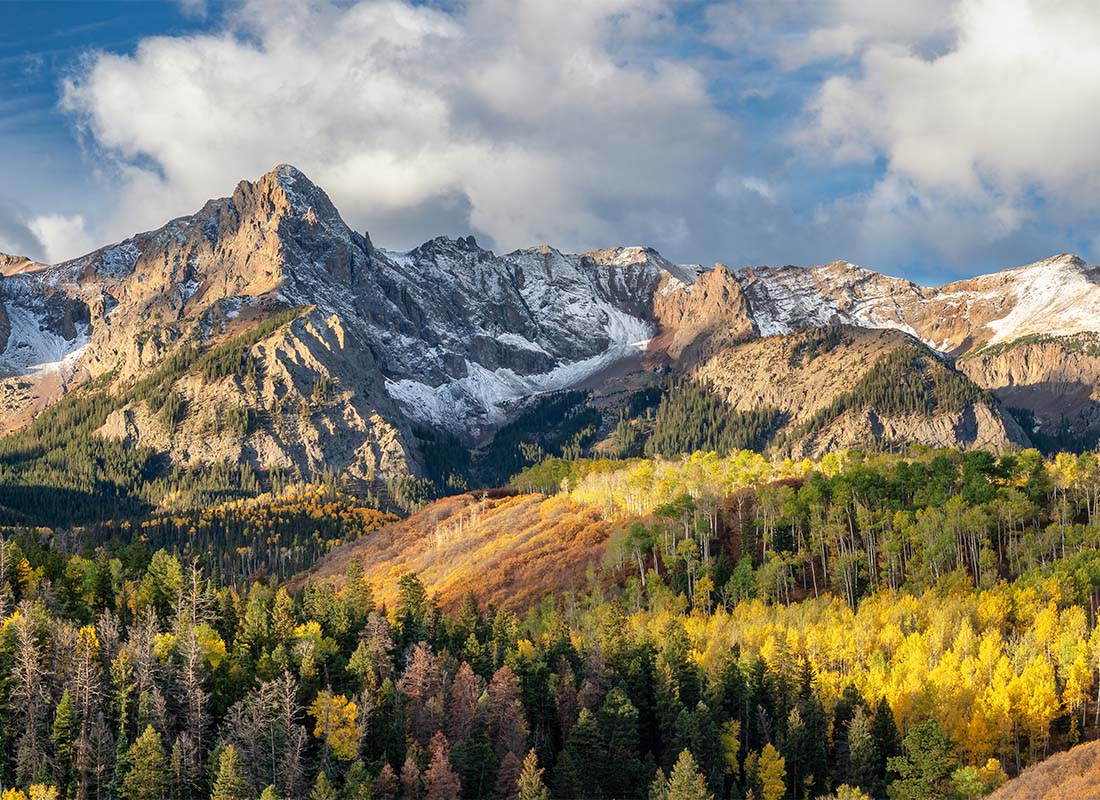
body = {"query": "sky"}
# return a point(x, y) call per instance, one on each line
point(931, 139)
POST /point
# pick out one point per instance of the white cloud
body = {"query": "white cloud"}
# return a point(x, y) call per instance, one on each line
point(16, 236)
point(62, 237)
point(528, 121)
point(1000, 127)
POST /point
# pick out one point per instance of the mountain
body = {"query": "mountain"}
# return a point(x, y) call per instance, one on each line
point(262, 329)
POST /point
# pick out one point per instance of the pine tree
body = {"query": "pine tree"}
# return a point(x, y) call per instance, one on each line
point(686, 781)
point(270, 793)
point(147, 777)
point(230, 784)
point(530, 783)
point(440, 780)
point(323, 788)
point(62, 736)
point(925, 770)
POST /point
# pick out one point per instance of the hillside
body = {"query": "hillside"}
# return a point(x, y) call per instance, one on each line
point(1072, 775)
point(510, 550)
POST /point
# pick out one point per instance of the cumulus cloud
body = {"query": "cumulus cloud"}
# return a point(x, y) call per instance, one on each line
point(526, 121)
point(16, 236)
point(62, 237)
point(916, 132)
point(993, 133)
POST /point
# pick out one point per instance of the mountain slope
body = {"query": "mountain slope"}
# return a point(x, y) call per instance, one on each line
point(453, 339)
point(1072, 775)
point(511, 550)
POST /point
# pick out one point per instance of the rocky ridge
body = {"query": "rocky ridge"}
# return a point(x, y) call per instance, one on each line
point(453, 337)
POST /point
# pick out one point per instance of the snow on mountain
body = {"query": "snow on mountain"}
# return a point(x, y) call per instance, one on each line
point(1058, 296)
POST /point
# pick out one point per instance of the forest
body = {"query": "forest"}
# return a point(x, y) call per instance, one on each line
point(863, 626)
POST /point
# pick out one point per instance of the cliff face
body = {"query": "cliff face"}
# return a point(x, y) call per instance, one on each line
point(1056, 379)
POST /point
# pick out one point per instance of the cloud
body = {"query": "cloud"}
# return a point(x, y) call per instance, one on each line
point(16, 236)
point(526, 121)
point(995, 132)
point(795, 33)
point(62, 237)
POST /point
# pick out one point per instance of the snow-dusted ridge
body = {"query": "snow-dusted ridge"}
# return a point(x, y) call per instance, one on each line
point(454, 335)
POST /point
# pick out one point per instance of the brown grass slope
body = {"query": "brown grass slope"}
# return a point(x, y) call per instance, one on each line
point(511, 551)
point(1072, 775)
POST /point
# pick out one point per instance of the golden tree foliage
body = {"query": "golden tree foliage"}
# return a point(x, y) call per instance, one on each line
point(337, 723)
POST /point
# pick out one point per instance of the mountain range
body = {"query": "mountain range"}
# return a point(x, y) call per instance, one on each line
point(264, 329)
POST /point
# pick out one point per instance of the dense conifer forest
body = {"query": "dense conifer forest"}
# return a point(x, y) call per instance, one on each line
point(862, 626)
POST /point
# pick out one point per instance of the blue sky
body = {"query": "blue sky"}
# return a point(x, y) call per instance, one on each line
point(934, 139)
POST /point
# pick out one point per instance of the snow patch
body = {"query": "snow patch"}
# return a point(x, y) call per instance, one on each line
point(33, 348)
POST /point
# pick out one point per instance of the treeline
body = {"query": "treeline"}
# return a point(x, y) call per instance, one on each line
point(269, 535)
point(693, 417)
point(559, 424)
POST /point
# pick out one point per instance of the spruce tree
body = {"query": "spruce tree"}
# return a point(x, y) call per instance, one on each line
point(62, 736)
point(385, 785)
point(685, 782)
point(230, 784)
point(619, 725)
point(864, 763)
point(323, 788)
point(507, 777)
point(147, 777)
point(925, 770)
point(884, 733)
point(530, 783)
point(582, 761)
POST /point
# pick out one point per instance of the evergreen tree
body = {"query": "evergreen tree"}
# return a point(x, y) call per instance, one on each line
point(230, 784)
point(864, 763)
point(887, 740)
point(62, 736)
point(925, 769)
point(385, 785)
point(323, 788)
point(618, 723)
point(412, 787)
point(147, 776)
point(270, 793)
point(685, 782)
point(530, 783)
point(582, 761)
